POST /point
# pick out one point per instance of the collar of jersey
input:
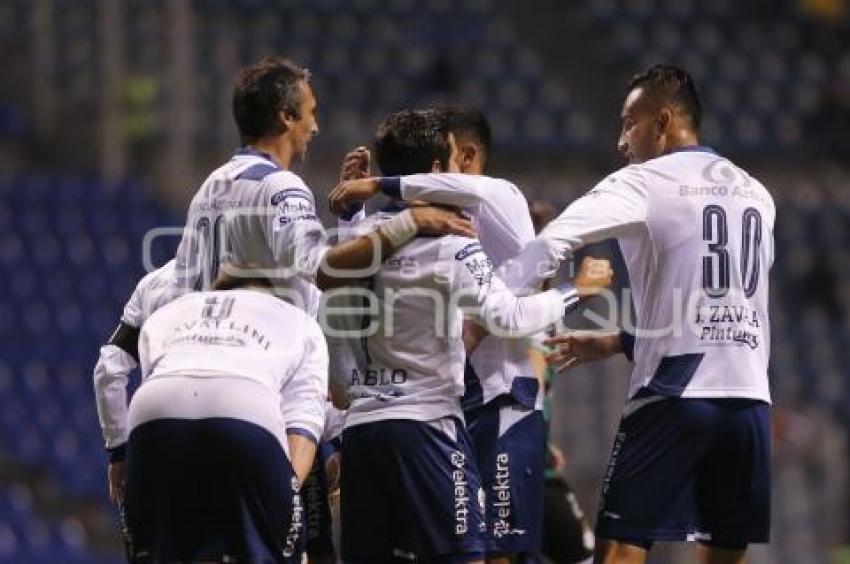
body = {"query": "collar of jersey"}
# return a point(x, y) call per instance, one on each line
point(241, 151)
point(692, 149)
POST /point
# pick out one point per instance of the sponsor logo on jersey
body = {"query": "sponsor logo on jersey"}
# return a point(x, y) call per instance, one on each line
point(217, 308)
point(502, 498)
point(291, 546)
point(609, 471)
point(729, 323)
point(292, 204)
point(293, 195)
point(313, 494)
point(469, 250)
point(481, 268)
point(461, 492)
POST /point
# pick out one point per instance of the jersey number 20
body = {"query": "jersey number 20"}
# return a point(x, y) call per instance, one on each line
point(715, 265)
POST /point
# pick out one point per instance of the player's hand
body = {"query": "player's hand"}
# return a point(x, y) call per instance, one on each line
point(442, 220)
point(355, 164)
point(351, 192)
point(594, 275)
point(116, 474)
point(572, 349)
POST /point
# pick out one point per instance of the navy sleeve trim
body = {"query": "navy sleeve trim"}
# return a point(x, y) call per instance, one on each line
point(126, 338)
point(627, 343)
point(390, 185)
point(351, 211)
point(117, 454)
point(302, 433)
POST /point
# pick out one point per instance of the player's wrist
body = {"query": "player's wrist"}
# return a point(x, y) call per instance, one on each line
point(400, 229)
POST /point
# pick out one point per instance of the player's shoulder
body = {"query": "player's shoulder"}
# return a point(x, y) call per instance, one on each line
point(499, 189)
point(163, 276)
point(282, 179)
point(628, 178)
point(285, 188)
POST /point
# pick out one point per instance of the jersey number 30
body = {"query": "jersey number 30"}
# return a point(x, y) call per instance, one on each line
point(715, 265)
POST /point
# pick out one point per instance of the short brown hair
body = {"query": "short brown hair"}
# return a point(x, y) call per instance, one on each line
point(263, 90)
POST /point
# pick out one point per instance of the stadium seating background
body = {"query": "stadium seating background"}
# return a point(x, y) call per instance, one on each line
point(775, 79)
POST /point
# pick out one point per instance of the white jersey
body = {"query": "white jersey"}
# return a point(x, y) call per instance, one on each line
point(251, 211)
point(242, 336)
point(696, 233)
point(500, 213)
point(408, 353)
point(111, 373)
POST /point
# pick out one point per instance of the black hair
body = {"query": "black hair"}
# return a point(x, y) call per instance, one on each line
point(673, 84)
point(464, 121)
point(409, 141)
point(263, 90)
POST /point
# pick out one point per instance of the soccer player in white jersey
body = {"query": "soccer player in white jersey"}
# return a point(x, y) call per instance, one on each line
point(691, 460)
point(224, 427)
point(118, 357)
point(254, 210)
point(409, 483)
point(503, 398)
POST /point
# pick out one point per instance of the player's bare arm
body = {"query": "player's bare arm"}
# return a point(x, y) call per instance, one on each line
point(359, 252)
point(302, 451)
point(352, 191)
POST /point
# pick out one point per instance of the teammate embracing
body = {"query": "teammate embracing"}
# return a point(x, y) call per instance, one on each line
point(691, 459)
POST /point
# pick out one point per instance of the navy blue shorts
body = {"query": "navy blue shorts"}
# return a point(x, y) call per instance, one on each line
point(318, 525)
point(510, 445)
point(689, 469)
point(411, 491)
point(210, 489)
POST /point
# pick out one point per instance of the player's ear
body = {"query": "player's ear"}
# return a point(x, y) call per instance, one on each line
point(663, 120)
point(286, 120)
point(467, 156)
point(436, 166)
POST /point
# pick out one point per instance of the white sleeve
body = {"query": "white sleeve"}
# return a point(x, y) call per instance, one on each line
point(295, 234)
point(612, 208)
point(111, 374)
point(487, 298)
point(304, 395)
point(450, 188)
point(133, 313)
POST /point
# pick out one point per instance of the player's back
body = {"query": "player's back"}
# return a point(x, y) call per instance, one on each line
point(410, 362)
point(699, 273)
point(252, 212)
point(237, 333)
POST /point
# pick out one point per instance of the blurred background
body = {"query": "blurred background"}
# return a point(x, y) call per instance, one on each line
point(113, 111)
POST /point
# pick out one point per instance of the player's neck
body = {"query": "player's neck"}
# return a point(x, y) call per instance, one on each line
point(681, 138)
point(278, 148)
